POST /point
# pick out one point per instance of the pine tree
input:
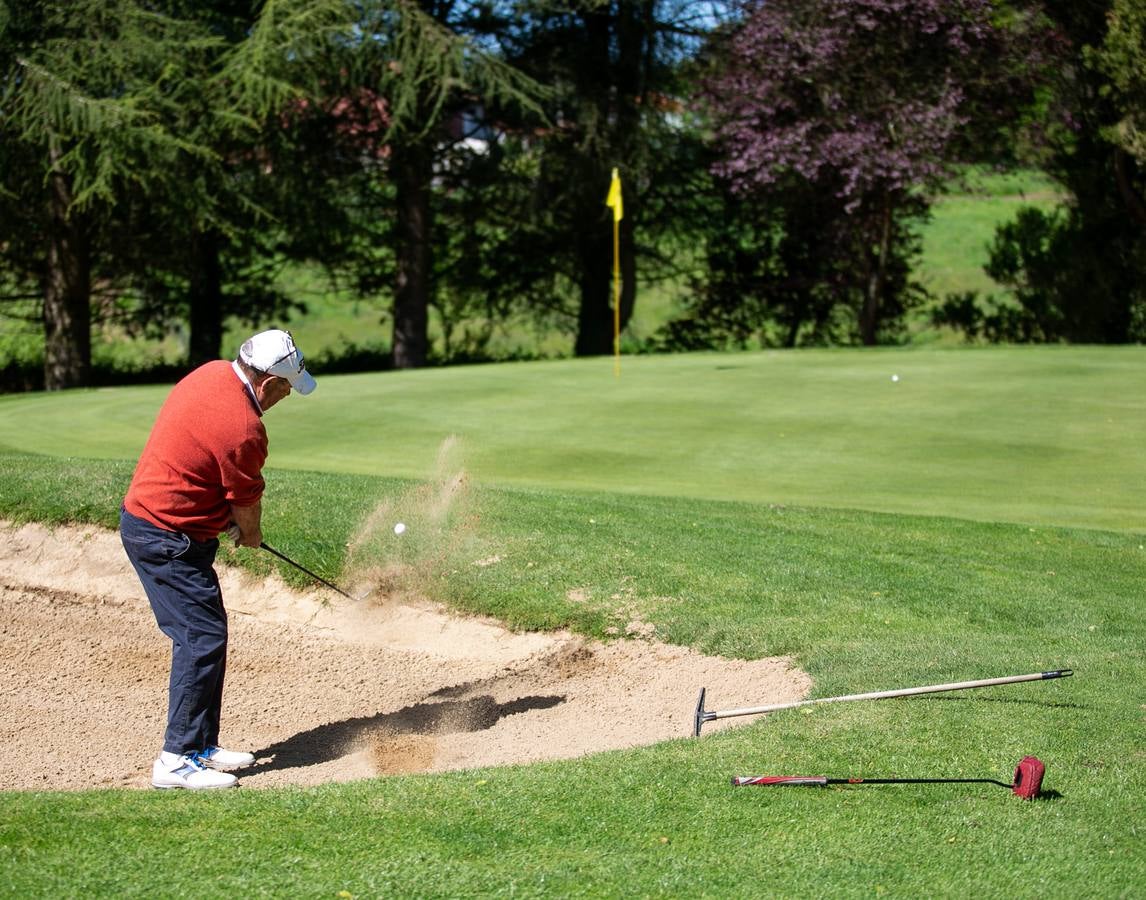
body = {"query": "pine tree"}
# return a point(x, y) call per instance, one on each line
point(124, 121)
point(88, 90)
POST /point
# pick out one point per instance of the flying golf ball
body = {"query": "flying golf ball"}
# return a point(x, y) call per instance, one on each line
point(895, 378)
point(399, 528)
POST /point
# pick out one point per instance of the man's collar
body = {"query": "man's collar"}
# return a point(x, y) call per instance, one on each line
point(247, 384)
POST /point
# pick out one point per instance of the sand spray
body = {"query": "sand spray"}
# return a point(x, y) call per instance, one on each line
point(439, 519)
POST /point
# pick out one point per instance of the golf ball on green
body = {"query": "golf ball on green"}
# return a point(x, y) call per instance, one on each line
point(399, 528)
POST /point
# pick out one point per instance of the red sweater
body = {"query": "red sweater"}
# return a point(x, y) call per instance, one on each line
point(205, 453)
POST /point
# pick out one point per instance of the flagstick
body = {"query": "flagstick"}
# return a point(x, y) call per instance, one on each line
point(614, 201)
point(616, 298)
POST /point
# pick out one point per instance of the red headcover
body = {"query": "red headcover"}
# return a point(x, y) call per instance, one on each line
point(1028, 777)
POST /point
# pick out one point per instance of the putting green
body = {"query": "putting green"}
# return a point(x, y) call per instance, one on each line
point(1047, 435)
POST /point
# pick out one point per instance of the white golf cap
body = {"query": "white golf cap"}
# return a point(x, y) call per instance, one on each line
point(275, 353)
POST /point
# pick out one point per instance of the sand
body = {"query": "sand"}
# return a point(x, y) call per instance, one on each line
point(320, 688)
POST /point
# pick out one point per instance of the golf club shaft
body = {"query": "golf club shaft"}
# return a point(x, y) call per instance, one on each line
point(304, 569)
point(881, 695)
point(821, 780)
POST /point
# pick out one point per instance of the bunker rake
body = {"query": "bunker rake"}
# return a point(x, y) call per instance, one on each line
point(702, 715)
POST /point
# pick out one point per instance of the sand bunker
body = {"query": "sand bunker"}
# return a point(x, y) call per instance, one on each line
point(321, 689)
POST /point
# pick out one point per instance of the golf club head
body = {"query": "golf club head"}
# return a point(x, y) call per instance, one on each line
point(1028, 777)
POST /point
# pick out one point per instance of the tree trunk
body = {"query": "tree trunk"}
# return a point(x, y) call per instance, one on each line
point(413, 171)
point(595, 320)
point(792, 332)
point(67, 293)
point(619, 99)
point(1134, 202)
point(636, 57)
point(873, 293)
point(595, 315)
point(206, 299)
point(628, 262)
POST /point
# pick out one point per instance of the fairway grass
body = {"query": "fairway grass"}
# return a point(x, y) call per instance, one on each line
point(885, 580)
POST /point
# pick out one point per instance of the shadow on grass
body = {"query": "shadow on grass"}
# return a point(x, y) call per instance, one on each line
point(336, 739)
point(1015, 701)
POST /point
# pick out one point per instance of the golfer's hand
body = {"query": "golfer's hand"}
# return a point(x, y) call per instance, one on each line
point(250, 538)
point(245, 539)
point(249, 522)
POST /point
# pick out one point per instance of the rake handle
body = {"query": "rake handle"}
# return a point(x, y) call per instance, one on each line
point(708, 716)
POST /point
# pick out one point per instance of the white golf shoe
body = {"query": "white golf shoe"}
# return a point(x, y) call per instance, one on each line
point(187, 772)
point(224, 760)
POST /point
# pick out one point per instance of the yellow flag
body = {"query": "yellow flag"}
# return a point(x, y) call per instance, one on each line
point(614, 198)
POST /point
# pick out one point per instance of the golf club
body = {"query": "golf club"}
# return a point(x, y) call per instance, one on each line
point(1026, 784)
point(307, 571)
point(703, 715)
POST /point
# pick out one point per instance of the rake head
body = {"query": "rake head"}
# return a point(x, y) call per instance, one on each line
point(701, 716)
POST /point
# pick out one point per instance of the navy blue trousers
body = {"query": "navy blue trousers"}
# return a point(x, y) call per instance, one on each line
point(179, 578)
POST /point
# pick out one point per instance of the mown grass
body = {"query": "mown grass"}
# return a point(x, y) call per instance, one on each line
point(864, 602)
point(863, 599)
point(1039, 435)
point(656, 822)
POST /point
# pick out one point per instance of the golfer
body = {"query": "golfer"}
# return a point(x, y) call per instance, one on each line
point(200, 475)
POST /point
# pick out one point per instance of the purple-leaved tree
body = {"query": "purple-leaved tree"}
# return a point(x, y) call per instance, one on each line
point(872, 102)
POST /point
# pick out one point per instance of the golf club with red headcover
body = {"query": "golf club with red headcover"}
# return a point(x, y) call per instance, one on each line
point(1027, 782)
point(265, 546)
point(702, 715)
